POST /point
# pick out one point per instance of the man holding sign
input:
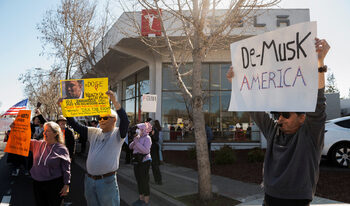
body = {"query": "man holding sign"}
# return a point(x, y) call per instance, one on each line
point(101, 186)
point(294, 146)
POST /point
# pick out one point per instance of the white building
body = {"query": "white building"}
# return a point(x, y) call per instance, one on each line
point(133, 69)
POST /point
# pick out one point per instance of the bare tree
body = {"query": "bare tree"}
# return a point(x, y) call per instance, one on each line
point(73, 31)
point(331, 86)
point(43, 86)
point(190, 30)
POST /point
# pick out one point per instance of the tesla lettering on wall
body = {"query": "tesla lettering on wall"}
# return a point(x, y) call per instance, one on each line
point(150, 23)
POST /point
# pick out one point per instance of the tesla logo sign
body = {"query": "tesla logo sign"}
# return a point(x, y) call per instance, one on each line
point(150, 23)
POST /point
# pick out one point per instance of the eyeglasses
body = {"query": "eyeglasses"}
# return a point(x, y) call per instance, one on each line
point(103, 118)
point(277, 115)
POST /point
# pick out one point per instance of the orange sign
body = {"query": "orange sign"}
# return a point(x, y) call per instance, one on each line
point(19, 139)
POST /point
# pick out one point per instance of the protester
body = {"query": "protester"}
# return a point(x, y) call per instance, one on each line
point(160, 143)
point(74, 89)
point(51, 168)
point(294, 146)
point(101, 186)
point(128, 140)
point(209, 134)
point(37, 125)
point(141, 145)
point(16, 161)
point(37, 129)
point(155, 153)
point(94, 123)
point(68, 135)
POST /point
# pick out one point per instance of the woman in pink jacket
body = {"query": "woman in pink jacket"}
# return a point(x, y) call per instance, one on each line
point(142, 161)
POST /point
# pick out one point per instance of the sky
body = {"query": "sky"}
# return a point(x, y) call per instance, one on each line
point(21, 48)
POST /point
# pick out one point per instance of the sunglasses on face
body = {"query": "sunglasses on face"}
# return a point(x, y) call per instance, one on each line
point(277, 115)
point(103, 118)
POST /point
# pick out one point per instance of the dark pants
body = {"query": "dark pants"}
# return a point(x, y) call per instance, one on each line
point(128, 153)
point(273, 201)
point(29, 161)
point(141, 172)
point(209, 152)
point(155, 163)
point(15, 160)
point(47, 193)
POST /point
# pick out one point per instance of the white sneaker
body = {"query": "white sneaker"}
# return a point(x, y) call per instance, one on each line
point(15, 173)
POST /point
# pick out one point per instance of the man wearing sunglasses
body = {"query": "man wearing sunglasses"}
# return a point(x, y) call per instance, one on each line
point(101, 186)
point(294, 146)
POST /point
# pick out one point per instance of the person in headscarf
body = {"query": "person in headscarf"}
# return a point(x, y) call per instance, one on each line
point(142, 161)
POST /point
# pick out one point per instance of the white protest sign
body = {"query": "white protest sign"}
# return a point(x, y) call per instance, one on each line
point(276, 71)
point(5, 124)
point(149, 103)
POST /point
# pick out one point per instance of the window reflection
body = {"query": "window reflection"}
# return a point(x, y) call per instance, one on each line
point(134, 87)
point(226, 126)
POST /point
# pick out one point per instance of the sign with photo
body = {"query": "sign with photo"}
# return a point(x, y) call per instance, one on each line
point(276, 71)
point(84, 97)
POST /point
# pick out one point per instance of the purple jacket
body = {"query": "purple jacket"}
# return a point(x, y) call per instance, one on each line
point(49, 161)
point(143, 143)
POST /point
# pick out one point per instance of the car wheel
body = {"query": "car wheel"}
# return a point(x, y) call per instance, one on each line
point(341, 155)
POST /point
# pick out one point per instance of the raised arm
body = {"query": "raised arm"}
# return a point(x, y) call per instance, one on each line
point(316, 120)
point(124, 121)
point(40, 116)
point(322, 49)
point(81, 129)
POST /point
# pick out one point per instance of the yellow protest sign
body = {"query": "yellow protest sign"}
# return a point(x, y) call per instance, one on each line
point(84, 97)
point(19, 139)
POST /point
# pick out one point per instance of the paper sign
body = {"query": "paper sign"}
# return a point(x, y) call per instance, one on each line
point(85, 97)
point(276, 71)
point(19, 139)
point(5, 124)
point(149, 103)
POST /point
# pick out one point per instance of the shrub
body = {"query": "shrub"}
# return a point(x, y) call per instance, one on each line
point(226, 155)
point(256, 155)
point(192, 153)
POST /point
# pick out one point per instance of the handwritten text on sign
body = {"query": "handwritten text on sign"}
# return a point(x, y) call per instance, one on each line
point(275, 70)
point(19, 139)
point(89, 101)
point(149, 103)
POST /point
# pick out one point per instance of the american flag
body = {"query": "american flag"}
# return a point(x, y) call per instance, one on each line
point(15, 108)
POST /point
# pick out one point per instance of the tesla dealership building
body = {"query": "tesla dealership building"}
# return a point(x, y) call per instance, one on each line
point(134, 69)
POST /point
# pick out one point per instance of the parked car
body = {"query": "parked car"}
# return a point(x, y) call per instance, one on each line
point(337, 141)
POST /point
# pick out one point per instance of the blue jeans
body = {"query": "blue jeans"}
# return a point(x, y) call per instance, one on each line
point(102, 192)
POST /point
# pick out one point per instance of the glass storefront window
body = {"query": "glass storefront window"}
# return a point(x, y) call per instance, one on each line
point(142, 83)
point(129, 87)
point(226, 126)
point(134, 87)
point(225, 84)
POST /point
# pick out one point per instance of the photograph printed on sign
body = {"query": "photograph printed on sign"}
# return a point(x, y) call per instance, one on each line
point(73, 89)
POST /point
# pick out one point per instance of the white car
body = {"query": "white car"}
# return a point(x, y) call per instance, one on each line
point(337, 141)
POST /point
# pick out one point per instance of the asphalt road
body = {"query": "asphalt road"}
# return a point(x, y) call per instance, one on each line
point(18, 191)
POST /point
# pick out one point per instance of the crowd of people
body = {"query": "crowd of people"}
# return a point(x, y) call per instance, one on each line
point(52, 147)
point(291, 167)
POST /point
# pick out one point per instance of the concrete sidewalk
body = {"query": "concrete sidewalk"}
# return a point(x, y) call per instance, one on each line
point(180, 181)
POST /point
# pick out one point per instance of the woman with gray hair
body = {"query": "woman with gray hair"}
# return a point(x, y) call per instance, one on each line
point(51, 167)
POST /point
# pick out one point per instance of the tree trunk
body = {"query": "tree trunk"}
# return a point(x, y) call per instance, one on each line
point(204, 181)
